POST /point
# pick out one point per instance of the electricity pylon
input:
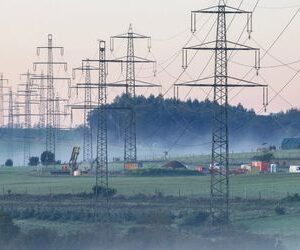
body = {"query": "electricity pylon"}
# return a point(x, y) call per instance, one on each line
point(29, 95)
point(16, 112)
point(130, 148)
point(101, 107)
point(219, 187)
point(57, 113)
point(50, 91)
point(102, 158)
point(42, 102)
point(2, 81)
point(39, 86)
point(101, 131)
point(87, 107)
point(10, 123)
point(88, 133)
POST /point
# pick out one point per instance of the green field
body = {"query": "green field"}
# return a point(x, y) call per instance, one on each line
point(258, 196)
point(269, 186)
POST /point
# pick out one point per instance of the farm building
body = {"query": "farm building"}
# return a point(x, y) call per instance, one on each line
point(174, 165)
point(290, 143)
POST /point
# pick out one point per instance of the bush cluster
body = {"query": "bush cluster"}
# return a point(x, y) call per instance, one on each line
point(161, 172)
point(104, 191)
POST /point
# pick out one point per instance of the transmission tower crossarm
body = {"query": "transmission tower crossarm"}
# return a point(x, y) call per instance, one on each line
point(132, 35)
point(54, 78)
point(203, 46)
point(83, 68)
point(50, 47)
point(195, 83)
point(21, 115)
point(51, 63)
point(102, 61)
point(136, 59)
point(225, 10)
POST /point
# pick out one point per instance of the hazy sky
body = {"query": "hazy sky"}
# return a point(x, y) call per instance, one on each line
point(77, 24)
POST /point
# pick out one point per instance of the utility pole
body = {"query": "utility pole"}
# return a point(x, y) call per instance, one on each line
point(130, 148)
point(219, 187)
point(50, 90)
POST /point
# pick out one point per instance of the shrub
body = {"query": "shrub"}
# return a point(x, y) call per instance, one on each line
point(34, 161)
point(47, 158)
point(196, 219)
point(293, 198)
point(103, 191)
point(8, 230)
point(161, 172)
point(280, 210)
point(40, 238)
point(9, 163)
point(155, 218)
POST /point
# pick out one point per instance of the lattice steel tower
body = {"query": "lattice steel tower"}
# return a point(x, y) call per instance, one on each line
point(42, 101)
point(87, 128)
point(102, 164)
point(50, 117)
point(10, 109)
point(219, 187)
point(2, 81)
point(57, 113)
point(130, 149)
point(28, 94)
point(86, 69)
point(27, 106)
point(51, 100)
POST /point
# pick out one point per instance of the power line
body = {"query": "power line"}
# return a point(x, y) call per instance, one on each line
point(269, 48)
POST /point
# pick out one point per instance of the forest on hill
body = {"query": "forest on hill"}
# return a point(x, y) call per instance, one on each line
point(168, 121)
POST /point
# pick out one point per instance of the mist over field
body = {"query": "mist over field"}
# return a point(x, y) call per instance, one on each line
point(180, 128)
